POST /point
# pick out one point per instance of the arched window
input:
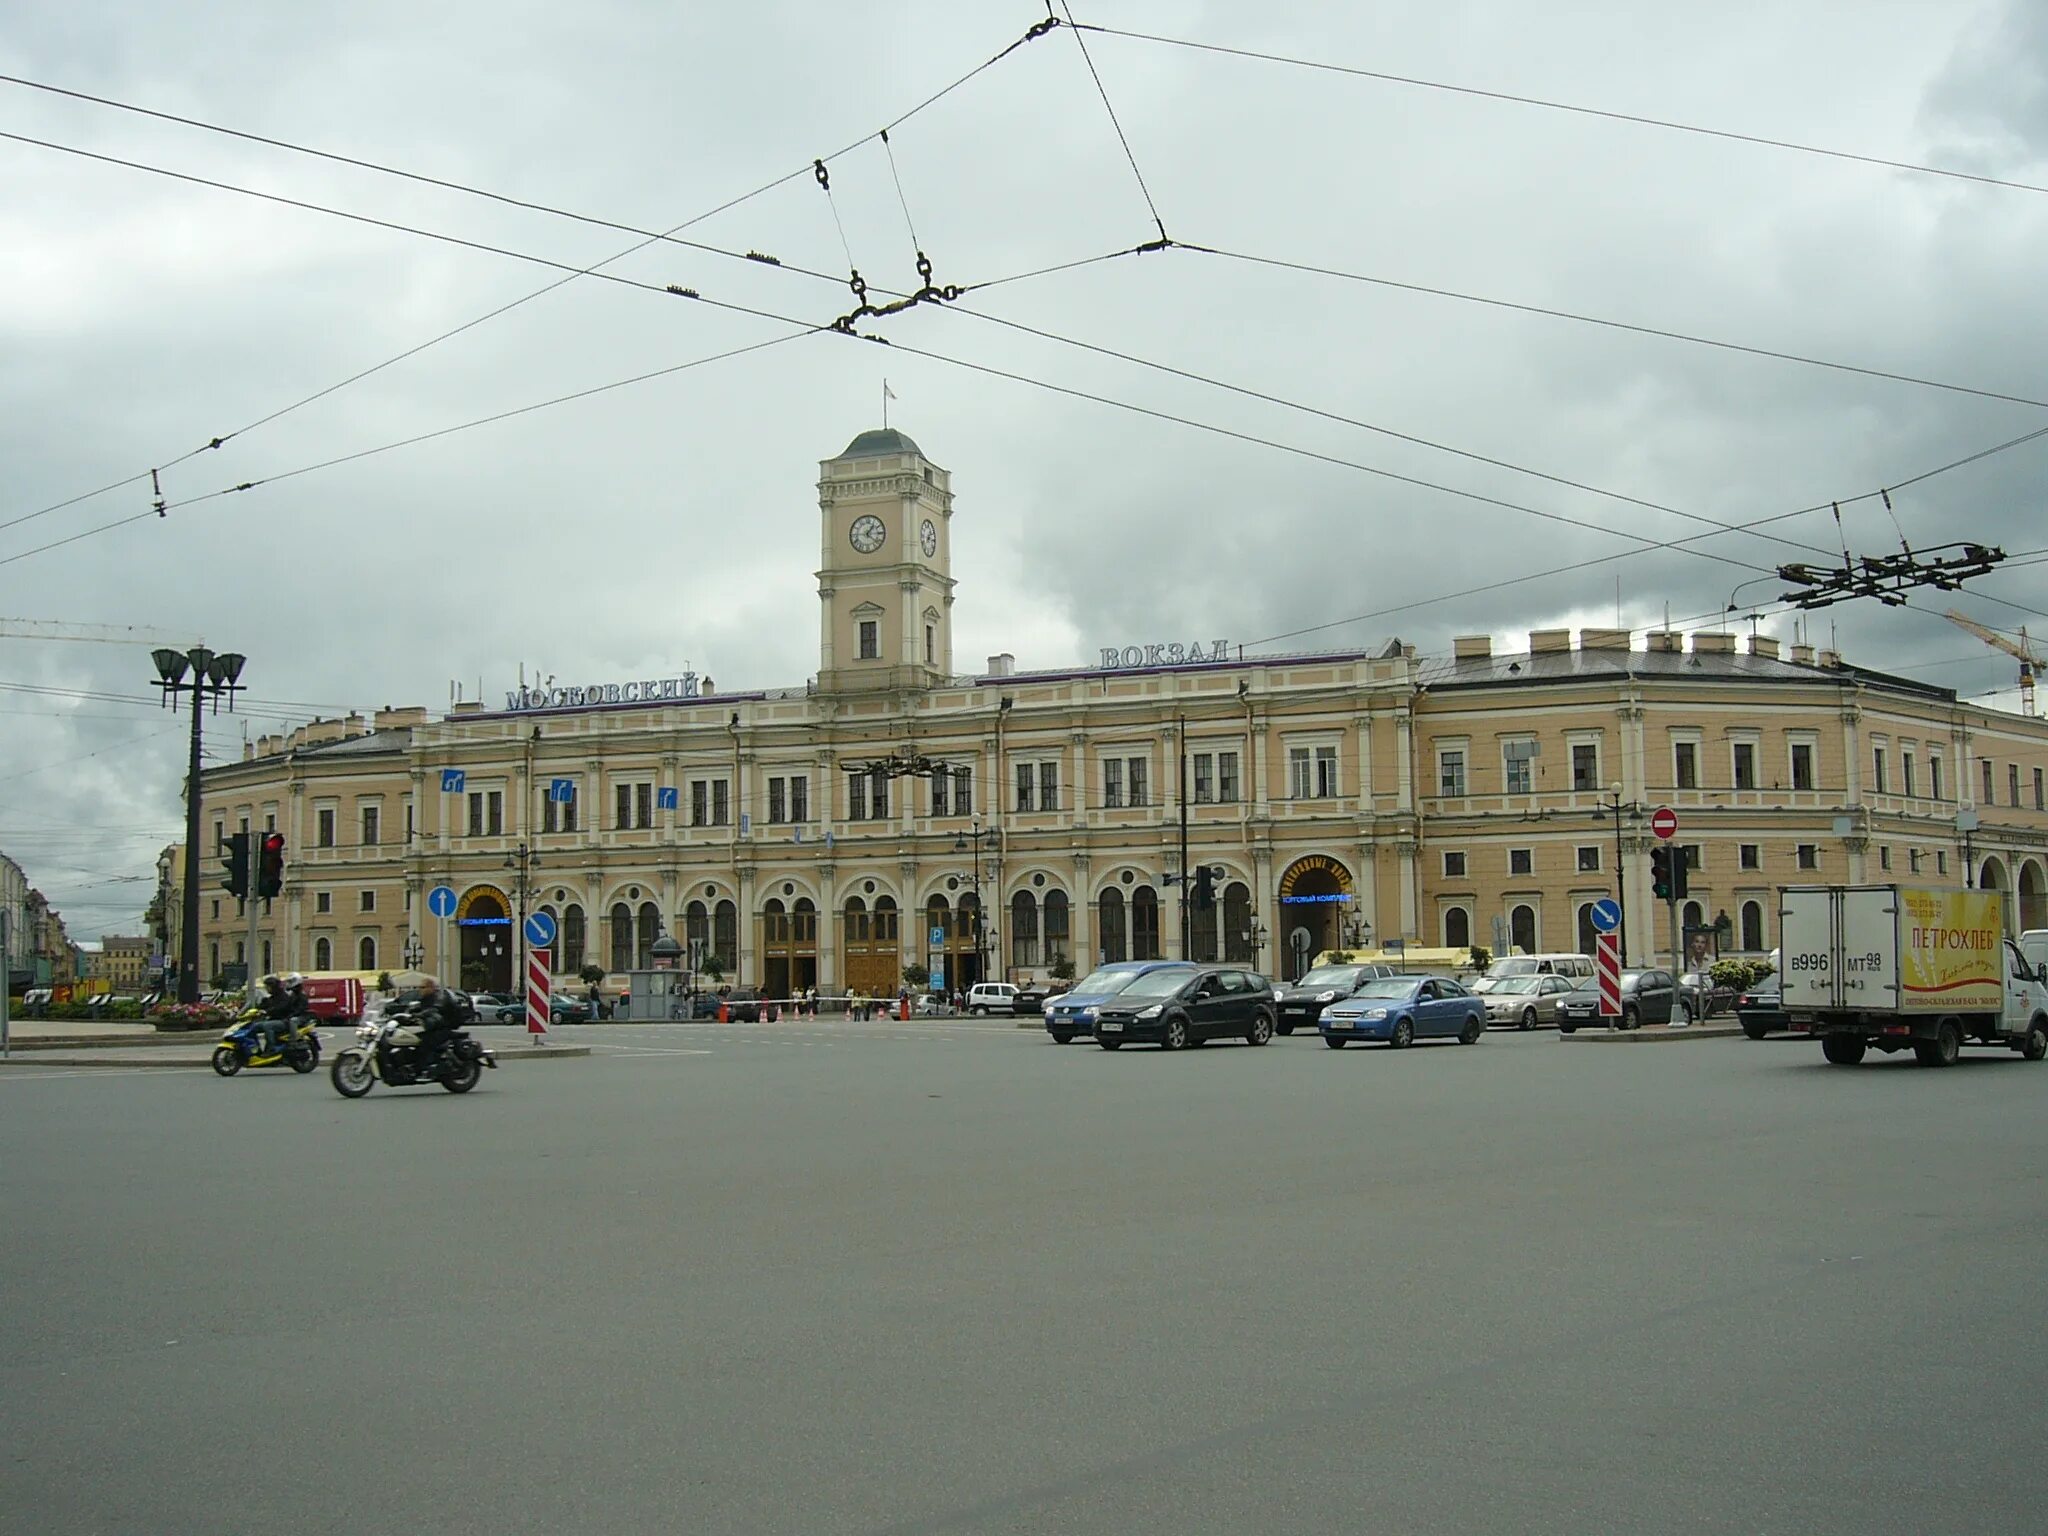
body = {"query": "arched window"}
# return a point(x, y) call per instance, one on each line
point(696, 930)
point(1522, 929)
point(774, 922)
point(804, 924)
point(323, 955)
point(1204, 932)
point(1457, 928)
point(1109, 926)
point(1692, 916)
point(1058, 934)
point(855, 914)
point(1588, 942)
point(1752, 925)
point(622, 937)
point(1145, 924)
point(886, 926)
point(971, 921)
point(572, 938)
point(366, 954)
point(649, 931)
point(1023, 929)
point(725, 936)
point(1237, 923)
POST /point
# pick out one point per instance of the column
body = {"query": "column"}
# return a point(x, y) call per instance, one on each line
point(1404, 758)
point(1081, 915)
point(1406, 851)
point(748, 967)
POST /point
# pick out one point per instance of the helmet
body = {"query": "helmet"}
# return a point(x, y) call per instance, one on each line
point(295, 981)
point(271, 981)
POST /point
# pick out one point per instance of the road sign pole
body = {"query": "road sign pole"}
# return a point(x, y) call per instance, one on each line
point(6, 972)
point(1664, 823)
point(1607, 966)
point(539, 977)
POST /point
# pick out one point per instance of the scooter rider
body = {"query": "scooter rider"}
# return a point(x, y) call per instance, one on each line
point(276, 1004)
point(299, 1014)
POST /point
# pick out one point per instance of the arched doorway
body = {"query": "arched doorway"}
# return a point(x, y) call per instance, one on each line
point(1992, 877)
point(1315, 893)
point(952, 959)
point(1522, 929)
point(1753, 926)
point(1145, 924)
point(1589, 942)
point(1457, 928)
point(1237, 924)
point(870, 947)
point(2033, 903)
point(1059, 943)
point(483, 918)
point(1110, 934)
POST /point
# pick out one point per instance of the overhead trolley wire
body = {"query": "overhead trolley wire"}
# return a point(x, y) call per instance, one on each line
point(1103, 91)
point(1639, 119)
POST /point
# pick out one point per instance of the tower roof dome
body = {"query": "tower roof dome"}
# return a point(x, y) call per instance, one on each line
point(879, 441)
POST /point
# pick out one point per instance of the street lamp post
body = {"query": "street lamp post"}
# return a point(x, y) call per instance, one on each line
point(1613, 807)
point(521, 860)
point(965, 842)
point(415, 952)
point(1255, 938)
point(212, 675)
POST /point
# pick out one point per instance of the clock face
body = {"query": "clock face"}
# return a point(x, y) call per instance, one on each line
point(867, 534)
point(929, 537)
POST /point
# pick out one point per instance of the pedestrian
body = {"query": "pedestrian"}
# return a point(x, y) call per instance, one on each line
point(597, 1010)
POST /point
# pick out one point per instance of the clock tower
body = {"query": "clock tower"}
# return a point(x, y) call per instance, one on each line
point(884, 576)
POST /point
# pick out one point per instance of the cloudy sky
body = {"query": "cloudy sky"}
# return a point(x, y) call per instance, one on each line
point(672, 522)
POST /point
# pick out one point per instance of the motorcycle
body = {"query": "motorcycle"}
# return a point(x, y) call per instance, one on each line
point(241, 1046)
point(388, 1051)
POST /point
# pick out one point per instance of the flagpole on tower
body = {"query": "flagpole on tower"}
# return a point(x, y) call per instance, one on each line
point(888, 394)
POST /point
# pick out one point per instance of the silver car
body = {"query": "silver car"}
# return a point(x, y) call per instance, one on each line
point(1524, 1001)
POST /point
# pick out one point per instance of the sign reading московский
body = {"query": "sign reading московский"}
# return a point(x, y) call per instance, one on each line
point(652, 690)
point(1173, 655)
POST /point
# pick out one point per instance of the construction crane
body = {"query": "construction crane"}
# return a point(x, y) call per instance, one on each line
point(2018, 649)
point(95, 634)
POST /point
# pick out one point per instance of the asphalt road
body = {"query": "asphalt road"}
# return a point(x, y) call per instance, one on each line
point(909, 1278)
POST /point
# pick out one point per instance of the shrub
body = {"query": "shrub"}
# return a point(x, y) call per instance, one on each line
point(592, 973)
point(186, 1016)
point(919, 976)
point(1062, 967)
point(1482, 957)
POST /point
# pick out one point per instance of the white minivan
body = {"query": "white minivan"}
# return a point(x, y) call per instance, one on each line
point(992, 997)
point(1570, 966)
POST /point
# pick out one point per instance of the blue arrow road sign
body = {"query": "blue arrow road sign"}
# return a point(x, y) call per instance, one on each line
point(1606, 915)
point(540, 929)
point(441, 901)
point(561, 790)
point(451, 781)
point(665, 799)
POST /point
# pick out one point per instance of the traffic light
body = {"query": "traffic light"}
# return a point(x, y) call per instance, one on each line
point(1660, 872)
point(1205, 888)
point(235, 866)
point(1679, 864)
point(270, 873)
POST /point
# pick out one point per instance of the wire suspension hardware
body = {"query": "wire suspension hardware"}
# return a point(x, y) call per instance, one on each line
point(156, 489)
point(1888, 577)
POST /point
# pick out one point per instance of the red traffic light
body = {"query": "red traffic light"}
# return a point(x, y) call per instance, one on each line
point(270, 867)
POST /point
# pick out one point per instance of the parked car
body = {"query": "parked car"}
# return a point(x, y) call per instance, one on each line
point(1073, 1012)
point(1302, 1002)
point(1185, 1005)
point(1403, 1009)
point(1647, 997)
point(1525, 1001)
point(1703, 996)
point(1761, 1011)
point(1562, 963)
point(991, 997)
point(562, 1009)
point(1033, 996)
point(490, 1002)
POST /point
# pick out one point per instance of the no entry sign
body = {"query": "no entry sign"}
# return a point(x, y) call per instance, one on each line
point(1664, 822)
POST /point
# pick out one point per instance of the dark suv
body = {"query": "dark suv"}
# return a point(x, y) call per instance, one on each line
point(1302, 1004)
point(1179, 1005)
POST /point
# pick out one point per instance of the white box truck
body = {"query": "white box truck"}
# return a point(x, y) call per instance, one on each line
point(1893, 966)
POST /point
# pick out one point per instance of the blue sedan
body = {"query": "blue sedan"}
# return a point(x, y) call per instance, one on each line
point(1403, 1009)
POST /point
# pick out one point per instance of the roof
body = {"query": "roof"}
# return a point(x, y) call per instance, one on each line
point(873, 444)
point(393, 739)
point(1593, 665)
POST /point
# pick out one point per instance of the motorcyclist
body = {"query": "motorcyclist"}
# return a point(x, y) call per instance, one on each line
point(276, 1004)
point(299, 1011)
point(436, 1016)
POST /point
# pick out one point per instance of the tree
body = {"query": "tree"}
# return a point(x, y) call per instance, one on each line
point(919, 976)
point(712, 972)
point(384, 982)
point(592, 973)
point(1482, 957)
point(474, 975)
point(1062, 967)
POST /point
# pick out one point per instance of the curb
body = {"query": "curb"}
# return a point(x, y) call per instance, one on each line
point(203, 1063)
point(1654, 1035)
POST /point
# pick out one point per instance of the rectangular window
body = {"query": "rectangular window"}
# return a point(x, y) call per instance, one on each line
point(1802, 765)
point(1205, 778)
point(1906, 785)
point(1049, 784)
point(323, 901)
point(1589, 857)
point(1879, 762)
point(963, 791)
point(1454, 866)
point(1227, 790)
point(1809, 856)
point(1685, 764)
point(778, 804)
point(2012, 783)
point(1745, 765)
point(2040, 803)
point(1135, 769)
point(1027, 786)
point(1750, 856)
point(1518, 767)
point(558, 815)
point(1326, 773)
point(700, 802)
point(1450, 775)
point(1521, 861)
point(721, 803)
point(494, 812)
point(366, 901)
point(1297, 773)
point(878, 795)
point(1941, 861)
point(216, 909)
point(1112, 783)
point(622, 806)
point(856, 797)
point(1985, 764)
point(372, 817)
point(931, 646)
point(643, 805)
point(323, 823)
point(799, 797)
point(1913, 860)
point(942, 791)
point(408, 821)
point(870, 640)
point(1585, 766)
point(1691, 853)
point(1934, 776)
point(1884, 856)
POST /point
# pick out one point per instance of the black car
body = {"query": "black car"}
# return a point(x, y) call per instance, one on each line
point(1647, 997)
point(562, 1009)
point(1300, 1005)
point(1179, 1005)
point(1761, 1009)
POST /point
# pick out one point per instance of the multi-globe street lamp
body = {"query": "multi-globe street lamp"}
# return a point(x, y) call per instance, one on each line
point(205, 674)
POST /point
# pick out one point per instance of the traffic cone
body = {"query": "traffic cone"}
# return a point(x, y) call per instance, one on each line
point(721, 1011)
point(903, 1007)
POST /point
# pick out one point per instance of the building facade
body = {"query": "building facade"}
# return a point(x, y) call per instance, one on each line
point(892, 811)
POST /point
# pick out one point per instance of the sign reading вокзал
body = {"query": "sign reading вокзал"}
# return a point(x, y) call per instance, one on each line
point(1177, 654)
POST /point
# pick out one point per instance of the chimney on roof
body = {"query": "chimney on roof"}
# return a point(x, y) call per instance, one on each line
point(1713, 642)
point(1004, 665)
point(1803, 654)
point(1471, 647)
point(1550, 640)
point(1763, 645)
point(1603, 639)
point(1831, 658)
point(1666, 640)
